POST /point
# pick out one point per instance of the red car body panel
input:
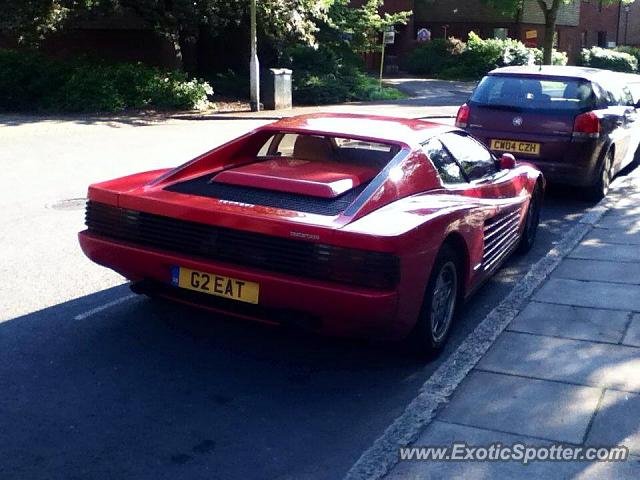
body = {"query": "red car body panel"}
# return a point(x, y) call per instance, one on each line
point(314, 178)
point(405, 211)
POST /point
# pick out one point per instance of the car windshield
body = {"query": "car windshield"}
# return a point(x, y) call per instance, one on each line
point(534, 93)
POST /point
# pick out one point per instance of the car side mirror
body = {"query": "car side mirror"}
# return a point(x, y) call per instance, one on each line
point(637, 105)
point(507, 161)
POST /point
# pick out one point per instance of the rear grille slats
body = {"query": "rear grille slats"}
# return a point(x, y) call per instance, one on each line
point(251, 249)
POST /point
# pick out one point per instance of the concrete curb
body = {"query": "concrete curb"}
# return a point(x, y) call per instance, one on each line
point(380, 458)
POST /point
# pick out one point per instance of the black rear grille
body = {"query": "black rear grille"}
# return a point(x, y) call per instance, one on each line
point(204, 187)
point(274, 254)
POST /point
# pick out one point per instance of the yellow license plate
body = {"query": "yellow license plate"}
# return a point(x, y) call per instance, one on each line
point(515, 147)
point(215, 284)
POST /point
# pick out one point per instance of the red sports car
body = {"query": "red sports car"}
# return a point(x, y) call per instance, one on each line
point(344, 224)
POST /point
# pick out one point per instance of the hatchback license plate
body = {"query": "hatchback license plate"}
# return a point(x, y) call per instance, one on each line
point(215, 284)
point(515, 147)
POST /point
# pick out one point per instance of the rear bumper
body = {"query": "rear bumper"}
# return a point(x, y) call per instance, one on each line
point(330, 309)
point(565, 161)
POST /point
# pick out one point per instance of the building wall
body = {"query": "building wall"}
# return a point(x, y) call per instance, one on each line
point(568, 14)
point(629, 32)
point(477, 11)
point(598, 23)
point(458, 18)
point(454, 11)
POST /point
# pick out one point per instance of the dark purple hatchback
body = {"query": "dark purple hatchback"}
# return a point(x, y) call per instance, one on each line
point(580, 126)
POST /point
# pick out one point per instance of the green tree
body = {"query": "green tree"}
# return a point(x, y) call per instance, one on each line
point(181, 21)
point(362, 26)
point(550, 9)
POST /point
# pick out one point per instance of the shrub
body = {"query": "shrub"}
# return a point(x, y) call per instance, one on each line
point(557, 58)
point(481, 56)
point(332, 75)
point(633, 51)
point(434, 56)
point(31, 81)
point(597, 57)
point(453, 59)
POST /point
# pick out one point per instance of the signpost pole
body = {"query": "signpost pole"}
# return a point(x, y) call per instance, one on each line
point(382, 60)
point(254, 65)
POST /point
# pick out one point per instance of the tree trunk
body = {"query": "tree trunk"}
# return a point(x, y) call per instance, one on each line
point(550, 20)
point(177, 49)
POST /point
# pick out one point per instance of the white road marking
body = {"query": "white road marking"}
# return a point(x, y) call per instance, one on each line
point(382, 456)
point(105, 306)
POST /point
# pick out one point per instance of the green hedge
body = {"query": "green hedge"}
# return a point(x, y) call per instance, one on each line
point(597, 57)
point(29, 81)
point(633, 51)
point(455, 59)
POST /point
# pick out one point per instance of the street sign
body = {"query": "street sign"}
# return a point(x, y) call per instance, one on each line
point(424, 35)
point(389, 38)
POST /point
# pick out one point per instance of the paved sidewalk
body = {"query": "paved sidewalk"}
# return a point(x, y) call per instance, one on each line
point(566, 369)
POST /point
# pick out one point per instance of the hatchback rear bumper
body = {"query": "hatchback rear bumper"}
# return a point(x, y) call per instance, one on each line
point(572, 161)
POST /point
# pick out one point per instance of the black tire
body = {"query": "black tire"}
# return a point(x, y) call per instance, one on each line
point(531, 222)
point(635, 163)
point(600, 188)
point(434, 323)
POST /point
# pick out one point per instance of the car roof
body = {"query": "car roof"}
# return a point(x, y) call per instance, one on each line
point(586, 73)
point(371, 127)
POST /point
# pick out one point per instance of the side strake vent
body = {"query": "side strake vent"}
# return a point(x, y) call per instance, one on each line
point(364, 268)
point(500, 236)
point(205, 187)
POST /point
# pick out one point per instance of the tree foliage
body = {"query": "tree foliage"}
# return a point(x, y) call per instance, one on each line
point(31, 20)
point(361, 26)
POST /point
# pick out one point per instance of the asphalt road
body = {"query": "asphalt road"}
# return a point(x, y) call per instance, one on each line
point(97, 384)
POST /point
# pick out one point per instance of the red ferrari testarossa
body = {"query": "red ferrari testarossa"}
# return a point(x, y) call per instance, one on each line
point(343, 224)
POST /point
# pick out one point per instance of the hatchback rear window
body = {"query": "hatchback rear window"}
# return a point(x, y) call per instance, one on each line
point(533, 93)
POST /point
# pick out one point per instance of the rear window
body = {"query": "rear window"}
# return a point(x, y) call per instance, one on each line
point(533, 93)
point(328, 148)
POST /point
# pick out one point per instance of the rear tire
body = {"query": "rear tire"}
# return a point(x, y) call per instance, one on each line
point(440, 304)
point(532, 221)
point(601, 186)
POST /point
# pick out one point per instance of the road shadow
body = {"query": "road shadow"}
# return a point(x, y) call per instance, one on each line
point(151, 389)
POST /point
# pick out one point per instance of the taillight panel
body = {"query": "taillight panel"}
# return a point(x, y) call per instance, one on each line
point(586, 125)
point(462, 119)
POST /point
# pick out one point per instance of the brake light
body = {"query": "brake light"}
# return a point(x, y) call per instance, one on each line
point(586, 125)
point(462, 120)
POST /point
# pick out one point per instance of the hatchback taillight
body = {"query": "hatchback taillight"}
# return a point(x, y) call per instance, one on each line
point(462, 120)
point(586, 125)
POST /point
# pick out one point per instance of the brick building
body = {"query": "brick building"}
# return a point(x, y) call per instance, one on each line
point(629, 25)
point(456, 18)
point(599, 23)
point(581, 23)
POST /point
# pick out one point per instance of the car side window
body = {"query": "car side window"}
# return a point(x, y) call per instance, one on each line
point(628, 97)
point(476, 161)
point(619, 96)
point(448, 168)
